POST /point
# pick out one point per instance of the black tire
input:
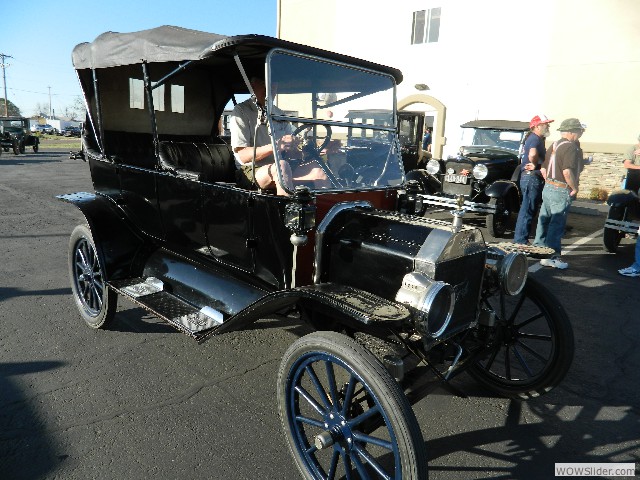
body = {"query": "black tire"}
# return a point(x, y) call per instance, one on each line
point(497, 222)
point(96, 302)
point(611, 238)
point(16, 147)
point(21, 147)
point(316, 406)
point(533, 344)
point(36, 146)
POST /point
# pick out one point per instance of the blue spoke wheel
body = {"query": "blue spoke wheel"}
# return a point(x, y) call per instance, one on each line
point(532, 346)
point(344, 415)
point(95, 301)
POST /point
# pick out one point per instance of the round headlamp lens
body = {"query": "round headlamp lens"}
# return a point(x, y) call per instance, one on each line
point(480, 171)
point(433, 167)
point(512, 272)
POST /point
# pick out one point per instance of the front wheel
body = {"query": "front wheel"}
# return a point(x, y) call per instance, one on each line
point(497, 222)
point(610, 237)
point(343, 414)
point(532, 345)
point(21, 147)
point(16, 147)
point(95, 301)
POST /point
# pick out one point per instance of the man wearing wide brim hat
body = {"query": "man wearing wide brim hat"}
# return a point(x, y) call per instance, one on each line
point(561, 169)
point(531, 181)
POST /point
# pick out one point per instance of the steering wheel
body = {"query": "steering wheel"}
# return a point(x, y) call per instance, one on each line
point(311, 150)
point(309, 146)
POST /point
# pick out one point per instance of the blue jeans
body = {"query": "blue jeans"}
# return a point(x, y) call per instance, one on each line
point(553, 217)
point(531, 186)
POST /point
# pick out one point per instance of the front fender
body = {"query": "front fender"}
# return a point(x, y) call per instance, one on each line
point(507, 190)
point(118, 243)
point(430, 184)
point(622, 198)
point(501, 188)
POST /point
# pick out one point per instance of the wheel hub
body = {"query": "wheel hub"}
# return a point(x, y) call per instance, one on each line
point(337, 430)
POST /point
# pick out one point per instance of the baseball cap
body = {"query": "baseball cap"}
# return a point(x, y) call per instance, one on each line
point(571, 125)
point(538, 119)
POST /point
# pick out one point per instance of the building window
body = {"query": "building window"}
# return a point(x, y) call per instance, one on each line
point(426, 26)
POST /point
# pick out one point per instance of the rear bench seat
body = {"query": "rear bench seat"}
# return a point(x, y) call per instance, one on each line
point(207, 162)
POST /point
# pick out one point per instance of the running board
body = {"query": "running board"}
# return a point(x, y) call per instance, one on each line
point(149, 294)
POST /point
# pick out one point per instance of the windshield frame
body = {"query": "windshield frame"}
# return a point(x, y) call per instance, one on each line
point(274, 115)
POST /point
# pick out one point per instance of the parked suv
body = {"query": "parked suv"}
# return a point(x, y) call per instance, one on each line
point(395, 300)
point(484, 172)
point(14, 134)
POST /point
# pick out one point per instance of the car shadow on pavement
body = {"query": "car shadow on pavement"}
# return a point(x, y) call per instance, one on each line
point(533, 448)
point(10, 292)
point(26, 447)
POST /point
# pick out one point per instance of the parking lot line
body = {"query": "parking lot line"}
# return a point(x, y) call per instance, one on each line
point(568, 250)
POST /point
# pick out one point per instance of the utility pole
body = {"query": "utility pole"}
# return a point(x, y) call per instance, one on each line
point(4, 81)
point(49, 101)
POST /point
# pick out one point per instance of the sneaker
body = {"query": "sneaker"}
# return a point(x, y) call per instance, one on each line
point(629, 272)
point(554, 262)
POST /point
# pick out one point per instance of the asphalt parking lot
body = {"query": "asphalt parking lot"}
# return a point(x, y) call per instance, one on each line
point(140, 400)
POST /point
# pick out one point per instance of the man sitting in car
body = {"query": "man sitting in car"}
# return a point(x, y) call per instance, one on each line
point(243, 122)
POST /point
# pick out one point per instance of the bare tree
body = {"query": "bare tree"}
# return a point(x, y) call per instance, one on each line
point(41, 110)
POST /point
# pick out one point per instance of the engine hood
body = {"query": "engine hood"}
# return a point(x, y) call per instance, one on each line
point(374, 250)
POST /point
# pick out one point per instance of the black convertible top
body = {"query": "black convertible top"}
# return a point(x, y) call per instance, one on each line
point(176, 44)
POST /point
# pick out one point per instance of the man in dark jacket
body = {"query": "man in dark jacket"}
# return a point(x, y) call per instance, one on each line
point(531, 181)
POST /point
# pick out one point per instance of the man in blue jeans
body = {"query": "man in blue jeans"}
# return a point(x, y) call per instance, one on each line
point(561, 170)
point(531, 181)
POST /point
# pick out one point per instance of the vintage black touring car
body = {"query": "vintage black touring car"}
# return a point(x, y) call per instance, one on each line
point(14, 135)
point(396, 300)
point(483, 172)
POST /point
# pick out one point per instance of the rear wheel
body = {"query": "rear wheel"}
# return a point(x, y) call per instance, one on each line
point(95, 301)
point(611, 238)
point(532, 346)
point(22, 147)
point(16, 147)
point(344, 415)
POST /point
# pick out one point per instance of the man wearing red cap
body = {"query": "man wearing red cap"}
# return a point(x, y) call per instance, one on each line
point(531, 181)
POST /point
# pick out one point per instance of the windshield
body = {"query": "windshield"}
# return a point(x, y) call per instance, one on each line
point(509, 139)
point(11, 125)
point(342, 120)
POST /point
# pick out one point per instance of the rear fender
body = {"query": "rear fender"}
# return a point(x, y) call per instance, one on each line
point(118, 244)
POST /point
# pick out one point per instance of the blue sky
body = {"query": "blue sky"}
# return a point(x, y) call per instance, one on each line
point(41, 35)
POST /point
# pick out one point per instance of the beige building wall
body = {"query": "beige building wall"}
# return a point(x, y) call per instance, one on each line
point(496, 59)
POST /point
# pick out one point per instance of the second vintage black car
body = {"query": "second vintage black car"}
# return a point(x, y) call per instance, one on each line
point(397, 302)
point(483, 172)
point(14, 135)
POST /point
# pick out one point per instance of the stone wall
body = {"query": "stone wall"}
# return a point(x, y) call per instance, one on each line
point(605, 172)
